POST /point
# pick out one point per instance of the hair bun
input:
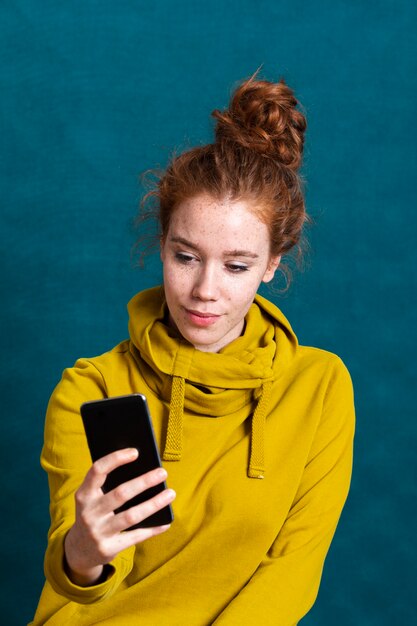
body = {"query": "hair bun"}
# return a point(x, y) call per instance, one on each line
point(263, 117)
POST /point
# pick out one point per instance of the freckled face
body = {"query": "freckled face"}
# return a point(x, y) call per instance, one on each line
point(215, 255)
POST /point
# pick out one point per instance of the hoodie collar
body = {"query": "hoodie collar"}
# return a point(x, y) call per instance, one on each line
point(212, 384)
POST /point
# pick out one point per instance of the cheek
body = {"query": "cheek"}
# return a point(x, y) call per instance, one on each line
point(241, 296)
point(176, 279)
point(243, 291)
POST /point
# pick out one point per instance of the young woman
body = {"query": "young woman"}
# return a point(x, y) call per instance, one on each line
point(255, 431)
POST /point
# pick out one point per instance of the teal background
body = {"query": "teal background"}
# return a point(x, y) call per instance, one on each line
point(94, 92)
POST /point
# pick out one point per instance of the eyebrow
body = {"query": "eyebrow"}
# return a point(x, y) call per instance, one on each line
point(228, 253)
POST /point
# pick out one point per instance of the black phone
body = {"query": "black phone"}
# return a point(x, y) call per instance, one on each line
point(124, 422)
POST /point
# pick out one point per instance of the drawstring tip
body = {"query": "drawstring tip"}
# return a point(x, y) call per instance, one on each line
point(254, 472)
point(256, 468)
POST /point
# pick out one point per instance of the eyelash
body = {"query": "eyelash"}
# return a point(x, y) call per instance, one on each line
point(237, 269)
point(186, 259)
point(183, 258)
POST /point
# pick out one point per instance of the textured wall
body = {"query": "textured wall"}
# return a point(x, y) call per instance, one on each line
point(92, 93)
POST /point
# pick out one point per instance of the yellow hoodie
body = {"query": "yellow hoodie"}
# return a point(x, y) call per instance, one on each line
point(241, 550)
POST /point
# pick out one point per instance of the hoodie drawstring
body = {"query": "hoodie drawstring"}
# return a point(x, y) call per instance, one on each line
point(256, 467)
point(173, 444)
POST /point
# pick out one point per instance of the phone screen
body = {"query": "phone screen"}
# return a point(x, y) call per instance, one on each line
point(124, 422)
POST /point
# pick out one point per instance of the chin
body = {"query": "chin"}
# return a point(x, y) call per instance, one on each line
point(199, 342)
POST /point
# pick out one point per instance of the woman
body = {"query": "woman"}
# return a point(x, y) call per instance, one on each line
point(233, 397)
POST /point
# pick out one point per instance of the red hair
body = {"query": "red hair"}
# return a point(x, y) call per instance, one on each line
point(255, 157)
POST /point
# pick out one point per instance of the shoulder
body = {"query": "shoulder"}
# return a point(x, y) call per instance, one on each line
point(321, 366)
point(110, 359)
point(321, 379)
point(319, 356)
point(333, 387)
point(327, 365)
point(89, 375)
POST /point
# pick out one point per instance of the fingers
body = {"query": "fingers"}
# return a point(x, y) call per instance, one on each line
point(135, 514)
point(128, 490)
point(97, 534)
point(98, 472)
point(94, 505)
point(133, 537)
point(108, 549)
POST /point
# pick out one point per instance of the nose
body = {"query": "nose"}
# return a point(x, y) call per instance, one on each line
point(206, 285)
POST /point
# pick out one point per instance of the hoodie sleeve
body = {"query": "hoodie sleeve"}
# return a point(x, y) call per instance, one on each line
point(66, 458)
point(285, 585)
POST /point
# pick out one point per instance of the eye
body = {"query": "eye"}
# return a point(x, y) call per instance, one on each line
point(184, 258)
point(236, 268)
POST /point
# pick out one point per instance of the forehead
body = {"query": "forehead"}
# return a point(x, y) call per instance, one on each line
point(203, 219)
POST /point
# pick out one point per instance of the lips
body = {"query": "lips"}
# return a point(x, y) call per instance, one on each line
point(201, 319)
point(201, 314)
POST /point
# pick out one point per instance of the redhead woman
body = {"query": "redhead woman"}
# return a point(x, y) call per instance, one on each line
point(255, 431)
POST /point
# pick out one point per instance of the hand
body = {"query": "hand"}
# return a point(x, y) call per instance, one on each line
point(97, 535)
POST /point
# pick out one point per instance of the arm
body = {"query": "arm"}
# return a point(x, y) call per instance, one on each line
point(88, 553)
point(286, 583)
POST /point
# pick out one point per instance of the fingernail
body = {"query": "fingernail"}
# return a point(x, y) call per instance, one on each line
point(162, 473)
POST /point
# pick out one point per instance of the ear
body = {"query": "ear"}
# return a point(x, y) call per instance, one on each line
point(274, 261)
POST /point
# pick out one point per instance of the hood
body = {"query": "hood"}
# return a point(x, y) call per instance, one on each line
point(212, 384)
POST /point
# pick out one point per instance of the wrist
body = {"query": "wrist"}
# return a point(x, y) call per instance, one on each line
point(79, 575)
point(88, 577)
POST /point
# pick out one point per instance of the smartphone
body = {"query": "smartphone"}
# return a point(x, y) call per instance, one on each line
point(124, 422)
